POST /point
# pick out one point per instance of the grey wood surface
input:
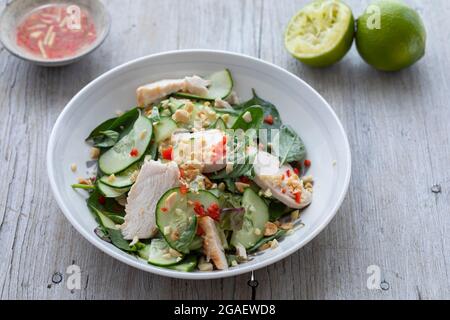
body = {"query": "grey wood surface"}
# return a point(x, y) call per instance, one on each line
point(398, 127)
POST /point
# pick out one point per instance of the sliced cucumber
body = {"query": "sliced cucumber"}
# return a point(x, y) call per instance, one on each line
point(118, 157)
point(110, 192)
point(177, 223)
point(220, 124)
point(157, 253)
point(229, 118)
point(206, 198)
point(187, 265)
point(104, 221)
point(122, 179)
point(256, 216)
point(220, 87)
point(144, 253)
point(164, 129)
point(196, 244)
point(175, 104)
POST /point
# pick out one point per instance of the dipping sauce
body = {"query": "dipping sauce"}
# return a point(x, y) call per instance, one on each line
point(56, 31)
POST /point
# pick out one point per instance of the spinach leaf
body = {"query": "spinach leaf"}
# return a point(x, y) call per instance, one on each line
point(289, 146)
point(241, 159)
point(106, 139)
point(114, 124)
point(117, 239)
point(264, 240)
point(109, 206)
point(277, 210)
point(268, 108)
point(257, 117)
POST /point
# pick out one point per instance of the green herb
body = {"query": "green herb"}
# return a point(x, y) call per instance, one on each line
point(106, 139)
point(264, 240)
point(268, 108)
point(277, 210)
point(115, 124)
point(257, 117)
point(83, 186)
point(290, 146)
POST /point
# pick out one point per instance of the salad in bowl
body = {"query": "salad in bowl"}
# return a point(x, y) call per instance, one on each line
point(192, 179)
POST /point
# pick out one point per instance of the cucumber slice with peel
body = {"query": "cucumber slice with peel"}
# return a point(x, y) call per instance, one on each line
point(118, 157)
point(110, 192)
point(158, 254)
point(177, 222)
point(187, 265)
point(176, 218)
point(220, 87)
point(255, 218)
point(121, 180)
point(164, 129)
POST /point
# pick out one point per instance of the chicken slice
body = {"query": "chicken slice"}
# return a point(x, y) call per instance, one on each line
point(155, 91)
point(153, 180)
point(270, 175)
point(205, 148)
point(211, 243)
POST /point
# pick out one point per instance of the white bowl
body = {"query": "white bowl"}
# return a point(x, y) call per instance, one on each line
point(299, 105)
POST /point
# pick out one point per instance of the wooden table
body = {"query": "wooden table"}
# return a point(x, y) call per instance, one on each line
point(398, 126)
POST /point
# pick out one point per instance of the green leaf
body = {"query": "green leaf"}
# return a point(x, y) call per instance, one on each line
point(110, 206)
point(268, 108)
point(115, 124)
point(277, 210)
point(117, 240)
point(239, 156)
point(264, 240)
point(108, 138)
point(257, 117)
point(290, 146)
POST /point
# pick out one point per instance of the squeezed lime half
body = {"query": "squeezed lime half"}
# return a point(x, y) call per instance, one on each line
point(321, 33)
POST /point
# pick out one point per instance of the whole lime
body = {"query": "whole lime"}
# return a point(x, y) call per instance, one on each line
point(390, 35)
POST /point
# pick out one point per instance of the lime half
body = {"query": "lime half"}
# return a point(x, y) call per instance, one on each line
point(321, 33)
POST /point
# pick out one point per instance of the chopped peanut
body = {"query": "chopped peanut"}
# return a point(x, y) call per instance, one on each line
point(73, 167)
point(247, 117)
point(142, 134)
point(287, 226)
point(270, 229)
point(95, 153)
point(274, 244)
point(84, 181)
point(181, 116)
point(265, 246)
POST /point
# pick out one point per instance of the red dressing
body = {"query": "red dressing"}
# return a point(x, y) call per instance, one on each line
point(56, 31)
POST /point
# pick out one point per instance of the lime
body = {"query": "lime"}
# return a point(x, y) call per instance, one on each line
point(321, 33)
point(390, 35)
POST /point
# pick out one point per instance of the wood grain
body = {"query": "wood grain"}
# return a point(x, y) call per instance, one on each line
point(398, 126)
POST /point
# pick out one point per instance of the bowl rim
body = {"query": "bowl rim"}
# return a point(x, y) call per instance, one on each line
point(195, 275)
point(62, 61)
